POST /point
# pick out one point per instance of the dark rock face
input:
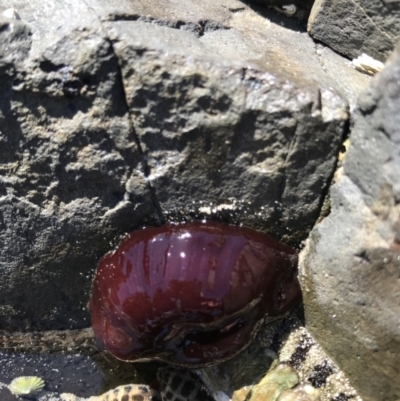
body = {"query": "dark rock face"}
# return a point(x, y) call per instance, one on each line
point(120, 113)
point(355, 27)
point(212, 143)
point(352, 262)
point(67, 161)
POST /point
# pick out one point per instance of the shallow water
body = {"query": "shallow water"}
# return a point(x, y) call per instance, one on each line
point(72, 362)
point(62, 373)
point(86, 373)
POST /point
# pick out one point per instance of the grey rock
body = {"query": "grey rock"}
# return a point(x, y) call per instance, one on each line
point(118, 114)
point(344, 75)
point(15, 43)
point(350, 268)
point(203, 157)
point(68, 156)
point(358, 26)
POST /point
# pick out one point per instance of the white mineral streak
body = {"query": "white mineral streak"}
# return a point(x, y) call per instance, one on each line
point(215, 209)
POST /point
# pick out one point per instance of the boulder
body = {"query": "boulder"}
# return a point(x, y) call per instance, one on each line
point(68, 161)
point(351, 264)
point(355, 27)
point(118, 114)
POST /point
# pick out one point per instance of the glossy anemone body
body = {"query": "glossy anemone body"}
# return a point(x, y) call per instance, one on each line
point(191, 294)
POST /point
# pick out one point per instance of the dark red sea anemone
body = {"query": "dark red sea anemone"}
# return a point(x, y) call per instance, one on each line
point(191, 294)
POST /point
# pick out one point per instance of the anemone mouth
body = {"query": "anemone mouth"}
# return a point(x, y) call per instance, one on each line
point(204, 346)
point(214, 336)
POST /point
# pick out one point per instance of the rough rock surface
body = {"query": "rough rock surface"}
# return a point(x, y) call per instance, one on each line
point(116, 114)
point(68, 158)
point(357, 26)
point(351, 263)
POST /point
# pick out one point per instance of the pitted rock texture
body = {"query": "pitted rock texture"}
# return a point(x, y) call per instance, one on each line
point(351, 263)
point(242, 133)
point(118, 114)
point(216, 132)
point(68, 161)
point(356, 26)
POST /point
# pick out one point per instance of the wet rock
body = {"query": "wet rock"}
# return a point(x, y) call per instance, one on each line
point(355, 27)
point(67, 161)
point(117, 114)
point(212, 144)
point(350, 268)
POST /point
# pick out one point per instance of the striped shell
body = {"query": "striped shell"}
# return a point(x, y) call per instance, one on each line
point(26, 385)
point(128, 392)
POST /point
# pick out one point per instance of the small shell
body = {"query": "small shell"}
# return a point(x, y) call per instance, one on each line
point(136, 392)
point(126, 392)
point(26, 385)
point(289, 9)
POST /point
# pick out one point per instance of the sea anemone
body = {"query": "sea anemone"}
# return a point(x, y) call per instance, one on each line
point(190, 294)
